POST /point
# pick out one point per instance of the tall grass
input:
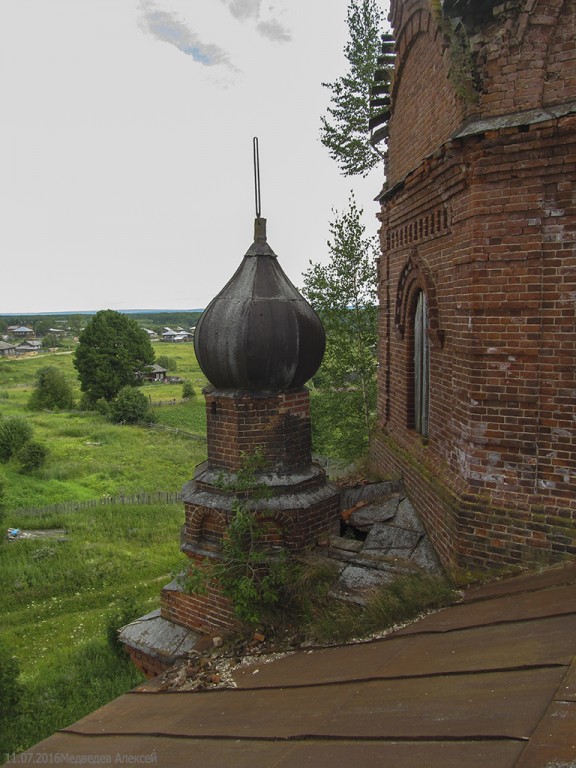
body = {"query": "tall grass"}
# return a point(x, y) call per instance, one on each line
point(402, 600)
point(88, 456)
point(57, 595)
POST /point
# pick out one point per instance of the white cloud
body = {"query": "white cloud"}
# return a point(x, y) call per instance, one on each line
point(270, 28)
point(169, 28)
point(244, 9)
point(274, 31)
point(138, 191)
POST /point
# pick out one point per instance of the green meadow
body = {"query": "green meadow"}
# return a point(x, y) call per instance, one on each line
point(96, 566)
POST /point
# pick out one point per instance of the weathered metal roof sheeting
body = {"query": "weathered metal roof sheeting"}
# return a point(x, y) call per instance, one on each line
point(487, 683)
point(259, 334)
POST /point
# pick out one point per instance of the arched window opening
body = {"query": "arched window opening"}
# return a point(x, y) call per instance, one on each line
point(421, 382)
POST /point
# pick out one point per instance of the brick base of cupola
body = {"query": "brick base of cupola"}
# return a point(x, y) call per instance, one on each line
point(301, 508)
point(240, 423)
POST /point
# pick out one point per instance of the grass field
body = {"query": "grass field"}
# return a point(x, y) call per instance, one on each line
point(57, 597)
point(58, 593)
point(90, 457)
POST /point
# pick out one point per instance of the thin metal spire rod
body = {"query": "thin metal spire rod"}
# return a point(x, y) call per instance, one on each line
point(257, 176)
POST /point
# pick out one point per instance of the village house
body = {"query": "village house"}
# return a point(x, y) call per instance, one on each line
point(175, 336)
point(30, 345)
point(6, 349)
point(21, 332)
point(154, 373)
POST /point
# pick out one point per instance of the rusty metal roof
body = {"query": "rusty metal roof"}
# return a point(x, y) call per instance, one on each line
point(490, 681)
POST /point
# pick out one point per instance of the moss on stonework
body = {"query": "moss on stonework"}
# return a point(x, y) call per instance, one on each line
point(463, 74)
point(467, 508)
point(444, 493)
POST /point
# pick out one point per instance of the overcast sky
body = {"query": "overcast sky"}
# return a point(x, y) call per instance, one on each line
point(126, 127)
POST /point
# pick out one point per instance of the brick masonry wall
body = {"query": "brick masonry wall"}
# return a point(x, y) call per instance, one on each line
point(293, 528)
point(523, 58)
point(528, 58)
point(206, 613)
point(486, 226)
point(150, 666)
point(278, 425)
point(421, 58)
point(298, 525)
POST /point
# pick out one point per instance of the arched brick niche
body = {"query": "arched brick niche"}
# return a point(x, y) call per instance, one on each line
point(426, 108)
point(204, 527)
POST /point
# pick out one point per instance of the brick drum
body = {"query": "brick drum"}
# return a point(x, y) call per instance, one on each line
point(478, 214)
point(240, 423)
point(302, 506)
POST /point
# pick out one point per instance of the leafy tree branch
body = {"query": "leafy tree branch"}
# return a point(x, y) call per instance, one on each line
point(344, 293)
point(345, 130)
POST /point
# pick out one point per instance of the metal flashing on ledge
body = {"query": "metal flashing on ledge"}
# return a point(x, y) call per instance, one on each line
point(387, 192)
point(479, 126)
point(515, 120)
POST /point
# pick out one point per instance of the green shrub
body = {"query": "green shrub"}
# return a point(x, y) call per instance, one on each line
point(188, 390)
point(102, 407)
point(253, 577)
point(126, 611)
point(51, 391)
point(130, 407)
point(167, 362)
point(15, 431)
point(256, 578)
point(32, 455)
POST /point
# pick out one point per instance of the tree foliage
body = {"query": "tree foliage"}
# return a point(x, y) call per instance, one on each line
point(344, 293)
point(51, 340)
point(42, 326)
point(14, 433)
point(345, 131)
point(188, 390)
point(51, 391)
point(32, 455)
point(170, 363)
point(110, 350)
point(130, 407)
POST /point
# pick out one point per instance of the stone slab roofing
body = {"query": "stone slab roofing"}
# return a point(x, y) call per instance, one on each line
point(490, 681)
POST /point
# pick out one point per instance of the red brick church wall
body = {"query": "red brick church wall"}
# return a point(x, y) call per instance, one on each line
point(484, 223)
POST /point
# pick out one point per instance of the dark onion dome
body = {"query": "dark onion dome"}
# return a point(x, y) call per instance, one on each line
point(259, 334)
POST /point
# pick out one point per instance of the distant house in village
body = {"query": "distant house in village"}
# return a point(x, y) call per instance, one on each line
point(175, 336)
point(21, 332)
point(6, 349)
point(30, 345)
point(154, 373)
point(152, 335)
point(168, 334)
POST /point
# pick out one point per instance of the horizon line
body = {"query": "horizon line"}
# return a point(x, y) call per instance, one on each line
point(94, 311)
